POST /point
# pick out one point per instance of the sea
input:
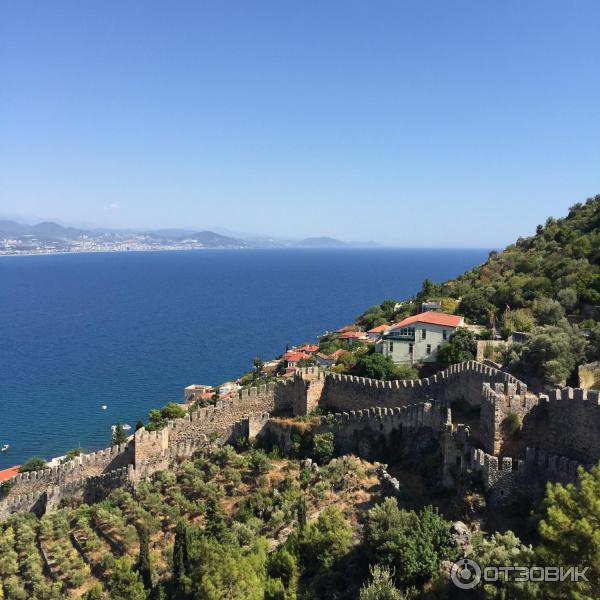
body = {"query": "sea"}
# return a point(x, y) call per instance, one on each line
point(130, 330)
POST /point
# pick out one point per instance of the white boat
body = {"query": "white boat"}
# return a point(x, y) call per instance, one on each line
point(104, 407)
point(124, 427)
point(5, 448)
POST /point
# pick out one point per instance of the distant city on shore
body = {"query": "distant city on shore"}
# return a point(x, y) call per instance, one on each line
point(52, 238)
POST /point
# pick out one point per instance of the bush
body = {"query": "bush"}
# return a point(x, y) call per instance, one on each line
point(323, 447)
point(381, 586)
point(35, 463)
point(511, 425)
point(460, 347)
point(376, 366)
point(410, 544)
point(325, 541)
point(548, 312)
point(259, 461)
point(159, 418)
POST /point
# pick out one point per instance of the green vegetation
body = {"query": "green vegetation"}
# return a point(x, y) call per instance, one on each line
point(323, 447)
point(245, 525)
point(381, 586)
point(380, 314)
point(118, 436)
point(411, 544)
point(160, 417)
point(71, 454)
point(460, 347)
point(570, 533)
point(533, 286)
point(511, 424)
point(377, 366)
point(35, 463)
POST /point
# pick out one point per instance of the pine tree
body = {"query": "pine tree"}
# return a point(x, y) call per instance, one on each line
point(125, 583)
point(215, 522)
point(144, 564)
point(302, 512)
point(180, 554)
point(119, 437)
point(569, 529)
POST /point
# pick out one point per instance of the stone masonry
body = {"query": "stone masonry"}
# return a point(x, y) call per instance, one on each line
point(560, 430)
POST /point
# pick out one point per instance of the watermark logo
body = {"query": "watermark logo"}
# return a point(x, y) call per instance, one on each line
point(466, 574)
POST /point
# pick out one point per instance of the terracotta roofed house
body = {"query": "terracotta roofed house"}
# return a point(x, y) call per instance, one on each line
point(292, 357)
point(418, 338)
point(375, 333)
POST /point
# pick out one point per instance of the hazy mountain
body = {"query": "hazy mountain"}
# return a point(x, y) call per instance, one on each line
point(61, 236)
point(211, 239)
point(45, 230)
point(13, 229)
point(321, 242)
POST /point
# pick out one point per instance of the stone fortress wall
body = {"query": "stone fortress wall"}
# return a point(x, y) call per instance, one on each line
point(560, 430)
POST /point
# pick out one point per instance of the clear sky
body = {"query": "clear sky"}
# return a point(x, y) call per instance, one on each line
point(422, 123)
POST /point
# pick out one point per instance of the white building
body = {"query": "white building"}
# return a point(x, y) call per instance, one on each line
point(418, 338)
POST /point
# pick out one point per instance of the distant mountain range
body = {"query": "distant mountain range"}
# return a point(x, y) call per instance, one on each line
point(49, 236)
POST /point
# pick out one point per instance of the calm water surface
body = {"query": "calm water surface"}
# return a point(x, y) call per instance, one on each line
point(131, 330)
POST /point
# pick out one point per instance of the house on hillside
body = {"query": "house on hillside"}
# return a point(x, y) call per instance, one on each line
point(291, 358)
point(352, 336)
point(418, 338)
point(374, 334)
point(197, 391)
point(431, 305)
point(327, 360)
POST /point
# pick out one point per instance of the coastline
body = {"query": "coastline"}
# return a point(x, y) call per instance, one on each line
point(76, 306)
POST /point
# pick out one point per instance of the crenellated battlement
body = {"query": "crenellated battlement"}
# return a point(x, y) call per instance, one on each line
point(563, 426)
point(504, 476)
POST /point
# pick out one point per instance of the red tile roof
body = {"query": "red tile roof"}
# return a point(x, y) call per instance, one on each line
point(379, 328)
point(9, 473)
point(333, 356)
point(308, 348)
point(294, 356)
point(348, 335)
point(432, 317)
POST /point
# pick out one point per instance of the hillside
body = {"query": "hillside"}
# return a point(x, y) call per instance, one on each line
point(240, 513)
point(546, 286)
point(560, 262)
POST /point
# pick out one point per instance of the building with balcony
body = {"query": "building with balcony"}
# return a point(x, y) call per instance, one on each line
point(418, 338)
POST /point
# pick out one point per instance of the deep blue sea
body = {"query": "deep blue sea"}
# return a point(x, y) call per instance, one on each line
point(131, 330)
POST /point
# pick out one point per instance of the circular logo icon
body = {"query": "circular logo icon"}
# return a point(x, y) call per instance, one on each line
point(465, 574)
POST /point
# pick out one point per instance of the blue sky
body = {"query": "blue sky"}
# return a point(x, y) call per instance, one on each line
point(412, 123)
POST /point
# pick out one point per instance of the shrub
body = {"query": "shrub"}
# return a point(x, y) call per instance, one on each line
point(381, 586)
point(326, 540)
point(259, 461)
point(35, 463)
point(323, 447)
point(411, 544)
point(511, 424)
